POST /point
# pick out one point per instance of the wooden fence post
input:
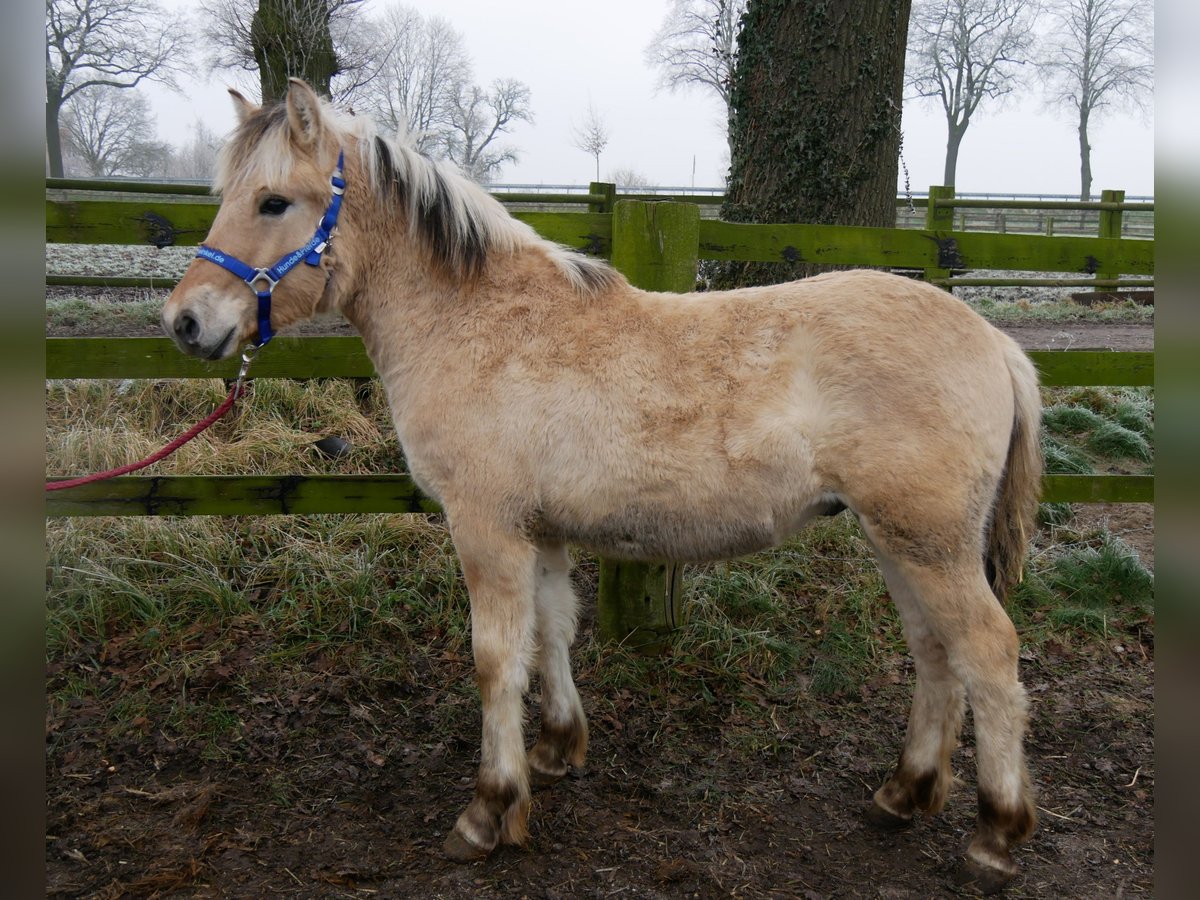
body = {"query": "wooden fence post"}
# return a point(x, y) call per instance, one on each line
point(655, 246)
point(610, 196)
point(940, 219)
point(1110, 227)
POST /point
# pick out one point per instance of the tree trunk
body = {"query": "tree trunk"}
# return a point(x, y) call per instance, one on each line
point(291, 39)
point(953, 142)
point(54, 158)
point(815, 121)
point(1085, 160)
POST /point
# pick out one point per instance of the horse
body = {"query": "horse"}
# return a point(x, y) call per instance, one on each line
point(544, 402)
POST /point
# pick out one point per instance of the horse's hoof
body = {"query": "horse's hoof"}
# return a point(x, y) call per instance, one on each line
point(981, 877)
point(539, 780)
point(460, 849)
point(884, 819)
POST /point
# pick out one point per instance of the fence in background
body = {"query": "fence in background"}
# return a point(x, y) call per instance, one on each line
point(657, 245)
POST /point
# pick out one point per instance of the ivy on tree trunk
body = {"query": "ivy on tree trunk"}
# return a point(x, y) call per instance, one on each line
point(815, 121)
point(291, 39)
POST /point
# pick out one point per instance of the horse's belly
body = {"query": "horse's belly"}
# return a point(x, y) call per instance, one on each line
point(664, 536)
point(650, 531)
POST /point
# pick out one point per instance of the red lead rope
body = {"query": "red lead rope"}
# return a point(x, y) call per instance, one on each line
point(166, 451)
point(226, 405)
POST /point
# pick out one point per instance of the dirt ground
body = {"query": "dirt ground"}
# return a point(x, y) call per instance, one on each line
point(333, 790)
point(1082, 335)
point(334, 787)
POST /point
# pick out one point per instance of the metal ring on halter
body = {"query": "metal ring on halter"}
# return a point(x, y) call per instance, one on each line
point(264, 274)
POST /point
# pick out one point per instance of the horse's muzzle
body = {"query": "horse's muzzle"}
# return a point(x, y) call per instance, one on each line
point(190, 333)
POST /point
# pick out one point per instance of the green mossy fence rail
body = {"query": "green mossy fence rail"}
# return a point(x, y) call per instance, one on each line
point(657, 245)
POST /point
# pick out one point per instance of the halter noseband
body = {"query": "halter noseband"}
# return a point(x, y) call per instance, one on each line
point(310, 253)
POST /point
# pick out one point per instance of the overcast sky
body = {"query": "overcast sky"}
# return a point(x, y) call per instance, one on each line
point(570, 53)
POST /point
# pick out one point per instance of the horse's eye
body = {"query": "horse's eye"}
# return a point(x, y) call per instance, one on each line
point(273, 206)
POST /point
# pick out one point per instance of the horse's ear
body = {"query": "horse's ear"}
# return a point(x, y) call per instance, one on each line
point(242, 108)
point(304, 113)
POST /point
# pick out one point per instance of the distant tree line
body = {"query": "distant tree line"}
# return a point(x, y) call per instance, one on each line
point(409, 72)
point(412, 73)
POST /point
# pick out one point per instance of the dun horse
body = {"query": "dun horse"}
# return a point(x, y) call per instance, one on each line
point(544, 402)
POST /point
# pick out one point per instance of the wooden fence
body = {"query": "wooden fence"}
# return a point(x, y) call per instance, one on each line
point(657, 245)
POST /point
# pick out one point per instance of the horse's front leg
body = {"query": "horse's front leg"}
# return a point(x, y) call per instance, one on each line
point(499, 570)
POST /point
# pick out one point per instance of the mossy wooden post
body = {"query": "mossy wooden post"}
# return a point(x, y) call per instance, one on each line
point(1110, 227)
point(655, 246)
point(608, 191)
point(939, 219)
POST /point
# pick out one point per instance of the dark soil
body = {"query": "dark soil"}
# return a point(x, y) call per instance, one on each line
point(1079, 335)
point(334, 785)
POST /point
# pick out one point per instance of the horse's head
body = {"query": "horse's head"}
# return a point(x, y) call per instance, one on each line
point(277, 183)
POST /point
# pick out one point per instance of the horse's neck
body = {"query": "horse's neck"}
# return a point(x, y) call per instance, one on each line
point(395, 323)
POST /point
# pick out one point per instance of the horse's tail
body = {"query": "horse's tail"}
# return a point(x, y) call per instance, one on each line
point(1014, 514)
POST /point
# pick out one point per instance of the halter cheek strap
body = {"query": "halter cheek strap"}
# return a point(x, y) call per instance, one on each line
point(263, 280)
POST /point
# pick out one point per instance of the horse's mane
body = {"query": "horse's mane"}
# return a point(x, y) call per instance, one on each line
point(460, 223)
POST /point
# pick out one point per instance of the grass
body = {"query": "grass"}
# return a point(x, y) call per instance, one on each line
point(206, 611)
point(96, 425)
point(1059, 310)
point(1098, 430)
point(112, 314)
point(1089, 586)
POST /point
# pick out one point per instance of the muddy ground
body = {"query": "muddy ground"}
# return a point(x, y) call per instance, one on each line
point(334, 786)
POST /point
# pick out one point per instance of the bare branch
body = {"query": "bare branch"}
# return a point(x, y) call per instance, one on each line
point(118, 43)
point(963, 53)
point(1099, 55)
point(591, 135)
point(231, 34)
point(480, 117)
point(696, 46)
point(109, 131)
point(105, 43)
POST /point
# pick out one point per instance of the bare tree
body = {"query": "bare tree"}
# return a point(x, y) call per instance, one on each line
point(420, 81)
point(479, 118)
point(696, 46)
point(111, 132)
point(964, 52)
point(321, 41)
point(591, 135)
point(628, 177)
point(1098, 54)
point(114, 43)
point(409, 72)
point(198, 157)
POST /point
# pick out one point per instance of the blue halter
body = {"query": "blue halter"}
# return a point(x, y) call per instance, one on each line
point(310, 253)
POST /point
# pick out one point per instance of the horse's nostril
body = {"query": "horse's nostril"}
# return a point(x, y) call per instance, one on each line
point(187, 328)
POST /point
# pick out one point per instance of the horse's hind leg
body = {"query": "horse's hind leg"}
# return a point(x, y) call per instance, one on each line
point(564, 734)
point(923, 775)
point(980, 647)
